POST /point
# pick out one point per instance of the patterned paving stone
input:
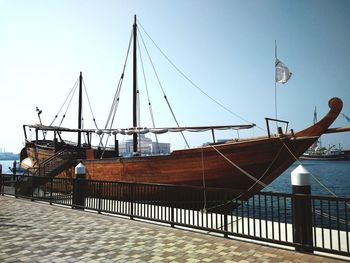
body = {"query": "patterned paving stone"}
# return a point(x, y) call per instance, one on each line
point(36, 232)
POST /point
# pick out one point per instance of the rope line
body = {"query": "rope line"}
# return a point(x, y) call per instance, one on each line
point(313, 176)
point(161, 86)
point(117, 93)
point(245, 173)
point(88, 99)
point(148, 97)
point(239, 168)
point(115, 102)
point(192, 83)
point(320, 183)
point(70, 101)
point(69, 94)
point(333, 218)
point(267, 169)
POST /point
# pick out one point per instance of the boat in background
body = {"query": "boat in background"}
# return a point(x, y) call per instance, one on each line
point(331, 153)
point(246, 165)
point(318, 152)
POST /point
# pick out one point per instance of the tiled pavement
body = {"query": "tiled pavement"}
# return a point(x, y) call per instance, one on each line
point(35, 232)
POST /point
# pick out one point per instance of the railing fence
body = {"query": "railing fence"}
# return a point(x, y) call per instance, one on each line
point(267, 217)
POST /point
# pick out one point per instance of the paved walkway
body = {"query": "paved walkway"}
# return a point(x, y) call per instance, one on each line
point(36, 232)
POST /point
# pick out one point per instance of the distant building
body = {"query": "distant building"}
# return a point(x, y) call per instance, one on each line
point(148, 147)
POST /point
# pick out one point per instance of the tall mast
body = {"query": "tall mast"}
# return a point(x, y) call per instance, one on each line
point(80, 107)
point(134, 85)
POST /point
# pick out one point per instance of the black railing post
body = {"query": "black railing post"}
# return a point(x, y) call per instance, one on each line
point(99, 197)
point(1, 181)
point(226, 222)
point(15, 183)
point(79, 192)
point(172, 215)
point(132, 200)
point(302, 209)
point(171, 203)
point(51, 190)
point(31, 189)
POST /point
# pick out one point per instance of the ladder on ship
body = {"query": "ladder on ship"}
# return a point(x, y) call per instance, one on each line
point(51, 167)
point(58, 163)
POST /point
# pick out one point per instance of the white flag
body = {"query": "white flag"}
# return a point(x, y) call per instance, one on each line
point(282, 72)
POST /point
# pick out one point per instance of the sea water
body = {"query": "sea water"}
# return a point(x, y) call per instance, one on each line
point(327, 177)
point(6, 164)
point(333, 175)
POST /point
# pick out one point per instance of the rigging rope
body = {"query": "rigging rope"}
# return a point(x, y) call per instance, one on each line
point(115, 103)
point(139, 144)
point(313, 176)
point(70, 101)
point(116, 95)
point(267, 169)
point(239, 168)
point(69, 94)
point(192, 83)
point(258, 181)
point(320, 183)
point(161, 86)
point(112, 114)
point(148, 98)
point(92, 113)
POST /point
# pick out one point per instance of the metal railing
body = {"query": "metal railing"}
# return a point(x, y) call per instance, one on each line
point(267, 217)
point(57, 163)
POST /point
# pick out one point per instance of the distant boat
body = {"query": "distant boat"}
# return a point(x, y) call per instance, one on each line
point(328, 154)
point(246, 165)
point(317, 152)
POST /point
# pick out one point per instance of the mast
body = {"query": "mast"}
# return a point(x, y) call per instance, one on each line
point(134, 85)
point(80, 107)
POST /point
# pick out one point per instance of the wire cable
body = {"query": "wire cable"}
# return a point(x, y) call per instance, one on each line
point(148, 97)
point(69, 94)
point(192, 83)
point(161, 86)
point(87, 97)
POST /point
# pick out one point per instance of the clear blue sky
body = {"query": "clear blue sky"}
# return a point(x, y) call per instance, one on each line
point(225, 47)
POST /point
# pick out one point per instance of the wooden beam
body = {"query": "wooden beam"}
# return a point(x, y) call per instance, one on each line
point(339, 129)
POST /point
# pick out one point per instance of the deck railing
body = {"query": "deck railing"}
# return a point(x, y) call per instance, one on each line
point(267, 217)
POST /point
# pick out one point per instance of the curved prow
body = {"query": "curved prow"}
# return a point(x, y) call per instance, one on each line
point(335, 105)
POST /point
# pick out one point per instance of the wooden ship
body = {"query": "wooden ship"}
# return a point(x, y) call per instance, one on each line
point(246, 165)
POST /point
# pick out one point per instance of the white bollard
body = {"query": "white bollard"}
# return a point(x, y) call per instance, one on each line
point(79, 192)
point(80, 170)
point(300, 177)
point(302, 209)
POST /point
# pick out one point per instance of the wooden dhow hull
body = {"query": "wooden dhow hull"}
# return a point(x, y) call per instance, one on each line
point(244, 165)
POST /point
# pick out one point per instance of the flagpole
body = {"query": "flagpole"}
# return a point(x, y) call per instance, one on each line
point(275, 82)
point(282, 75)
